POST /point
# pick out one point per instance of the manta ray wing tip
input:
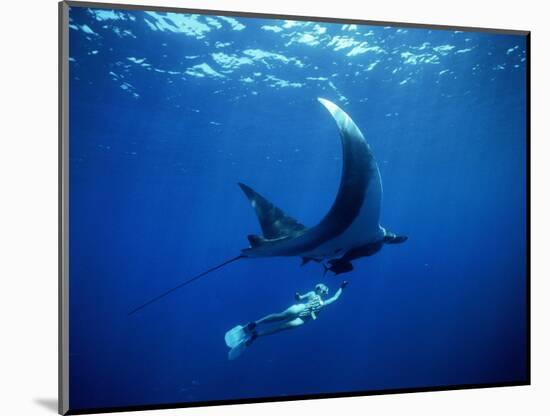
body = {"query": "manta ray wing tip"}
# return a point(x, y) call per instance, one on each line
point(329, 105)
point(323, 101)
point(244, 187)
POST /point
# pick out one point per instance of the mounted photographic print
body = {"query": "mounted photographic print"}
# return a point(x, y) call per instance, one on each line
point(263, 208)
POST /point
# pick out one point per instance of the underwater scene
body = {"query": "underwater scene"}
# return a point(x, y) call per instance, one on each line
point(362, 189)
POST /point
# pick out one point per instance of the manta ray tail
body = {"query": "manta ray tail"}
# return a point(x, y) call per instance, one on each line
point(185, 283)
point(273, 221)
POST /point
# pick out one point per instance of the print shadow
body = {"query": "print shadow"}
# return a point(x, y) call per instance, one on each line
point(49, 404)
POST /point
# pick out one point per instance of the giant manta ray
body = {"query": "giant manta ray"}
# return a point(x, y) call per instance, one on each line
point(350, 230)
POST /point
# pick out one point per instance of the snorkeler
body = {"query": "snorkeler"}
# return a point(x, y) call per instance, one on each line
point(241, 337)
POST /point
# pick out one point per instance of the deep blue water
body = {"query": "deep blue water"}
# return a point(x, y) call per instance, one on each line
point(169, 112)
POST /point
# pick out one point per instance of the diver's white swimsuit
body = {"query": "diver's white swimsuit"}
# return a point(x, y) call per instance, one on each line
point(311, 308)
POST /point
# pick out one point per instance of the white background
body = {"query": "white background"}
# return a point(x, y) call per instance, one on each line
point(28, 205)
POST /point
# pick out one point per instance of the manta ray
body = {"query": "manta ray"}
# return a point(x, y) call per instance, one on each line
point(350, 230)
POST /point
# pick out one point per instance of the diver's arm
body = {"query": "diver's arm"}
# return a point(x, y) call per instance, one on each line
point(336, 295)
point(302, 297)
point(334, 298)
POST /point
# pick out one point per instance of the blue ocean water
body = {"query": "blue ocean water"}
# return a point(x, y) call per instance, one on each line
point(169, 111)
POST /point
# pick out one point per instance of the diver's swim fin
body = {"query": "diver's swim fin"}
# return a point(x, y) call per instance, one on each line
point(235, 336)
point(239, 338)
point(236, 351)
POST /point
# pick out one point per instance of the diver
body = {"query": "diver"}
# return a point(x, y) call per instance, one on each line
point(309, 306)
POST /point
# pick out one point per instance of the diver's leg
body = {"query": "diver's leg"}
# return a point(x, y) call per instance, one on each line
point(295, 323)
point(287, 315)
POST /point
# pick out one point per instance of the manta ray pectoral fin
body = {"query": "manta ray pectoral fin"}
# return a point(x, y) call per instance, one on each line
point(255, 240)
point(306, 260)
point(398, 239)
point(274, 222)
point(391, 238)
